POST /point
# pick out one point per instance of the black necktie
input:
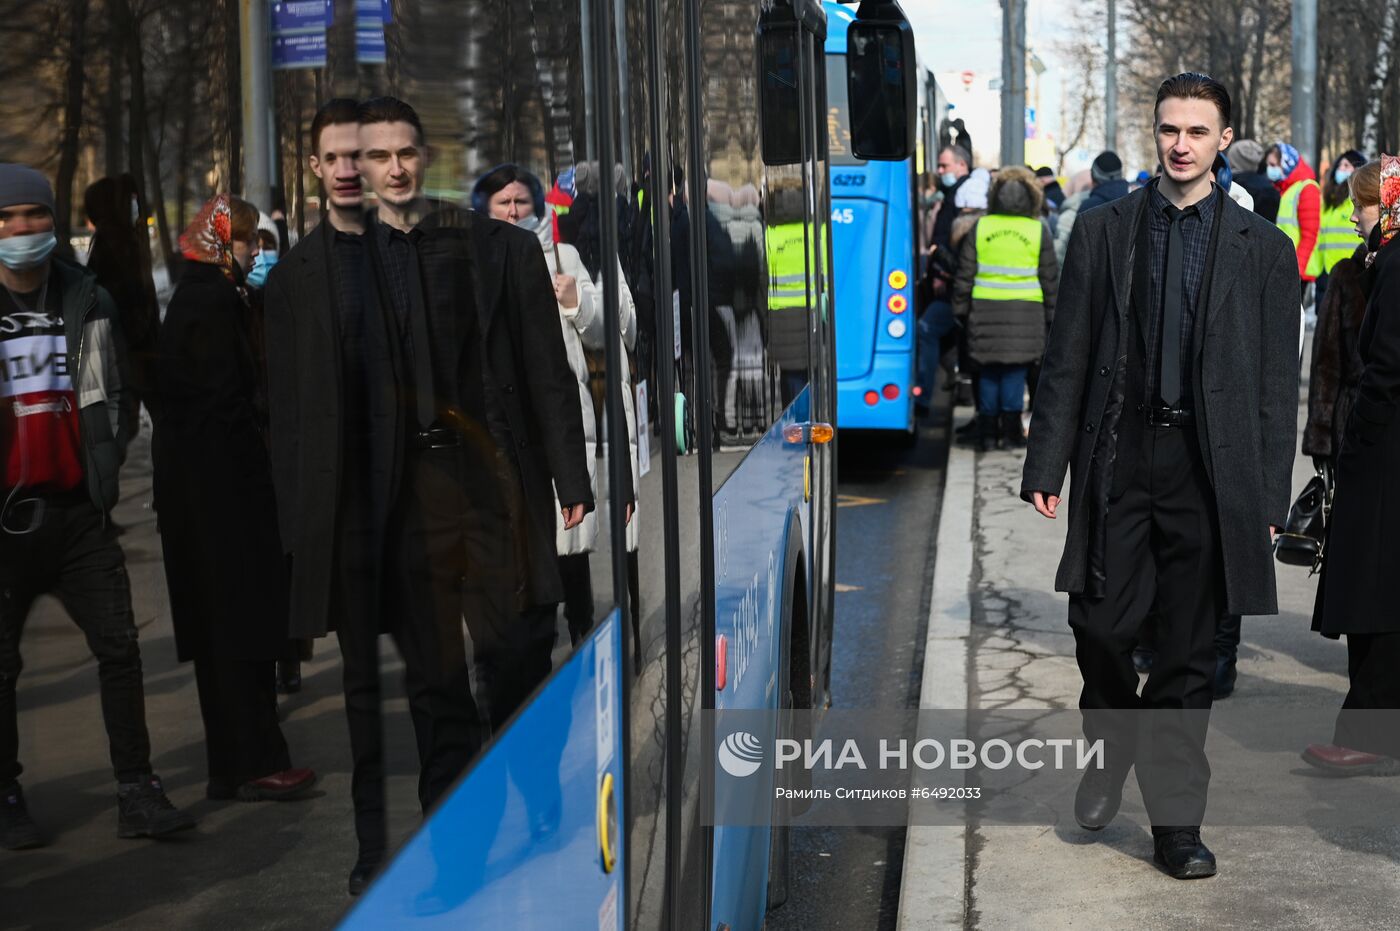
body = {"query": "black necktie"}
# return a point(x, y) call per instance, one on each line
point(1170, 381)
point(422, 358)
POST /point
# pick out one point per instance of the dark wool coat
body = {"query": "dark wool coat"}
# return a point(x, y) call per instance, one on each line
point(1336, 359)
point(1006, 332)
point(1357, 594)
point(540, 426)
point(224, 565)
point(1245, 372)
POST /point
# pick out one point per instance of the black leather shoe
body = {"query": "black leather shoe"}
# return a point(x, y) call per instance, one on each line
point(1225, 675)
point(17, 830)
point(1181, 854)
point(1100, 793)
point(363, 872)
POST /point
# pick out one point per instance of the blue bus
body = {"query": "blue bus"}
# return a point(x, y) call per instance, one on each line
point(589, 808)
point(874, 234)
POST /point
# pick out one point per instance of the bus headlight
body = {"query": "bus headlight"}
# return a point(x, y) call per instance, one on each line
point(897, 328)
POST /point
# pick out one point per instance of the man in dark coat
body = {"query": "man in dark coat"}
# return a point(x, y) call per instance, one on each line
point(413, 448)
point(1170, 390)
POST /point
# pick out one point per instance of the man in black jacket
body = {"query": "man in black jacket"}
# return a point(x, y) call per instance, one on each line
point(64, 426)
point(1170, 388)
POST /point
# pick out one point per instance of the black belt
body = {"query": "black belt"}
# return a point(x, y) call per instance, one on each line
point(435, 438)
point(1170, 417)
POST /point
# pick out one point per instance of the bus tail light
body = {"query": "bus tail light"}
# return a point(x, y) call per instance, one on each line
point(897, 328)
point(891, 392)
point(721, 662)
point(897, 303)
point(898, 279)
point(872, 398)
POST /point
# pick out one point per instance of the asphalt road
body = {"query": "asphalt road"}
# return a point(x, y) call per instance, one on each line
point(886, 527)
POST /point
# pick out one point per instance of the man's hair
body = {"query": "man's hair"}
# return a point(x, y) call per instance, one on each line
point(391, 110)
point(1192, 85)
point(1365, 184)
point(959, 153)
point(334, 112)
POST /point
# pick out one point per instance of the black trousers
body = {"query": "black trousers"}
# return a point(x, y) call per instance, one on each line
point(409, 584)
point(1370, 716)
point(577, 573)
point(1163, 552)
point(74, 557)
point(242, 738)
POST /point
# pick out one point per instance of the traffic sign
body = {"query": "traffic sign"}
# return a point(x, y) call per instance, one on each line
point(299, 33)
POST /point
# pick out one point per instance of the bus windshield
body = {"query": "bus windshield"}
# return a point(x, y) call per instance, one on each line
point(838, 115)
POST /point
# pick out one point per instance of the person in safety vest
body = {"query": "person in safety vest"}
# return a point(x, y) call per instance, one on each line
point(784, 245)
point(1300, 205)
point(1004, 294)
point(1336, 238)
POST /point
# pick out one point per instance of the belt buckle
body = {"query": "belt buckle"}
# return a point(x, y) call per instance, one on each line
point(436, 438)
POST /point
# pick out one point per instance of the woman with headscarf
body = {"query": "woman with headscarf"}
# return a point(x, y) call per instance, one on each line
point(1300, 205)
point(224, 562)
point(514, 195)
point(1356, 595)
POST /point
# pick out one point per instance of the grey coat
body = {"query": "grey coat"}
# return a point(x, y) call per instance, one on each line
point(1245, 372)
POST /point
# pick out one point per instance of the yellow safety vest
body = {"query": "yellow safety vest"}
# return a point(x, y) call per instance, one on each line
point(1288, 222)
point(787, 265)
point(1008, 259)
point(1336, 238)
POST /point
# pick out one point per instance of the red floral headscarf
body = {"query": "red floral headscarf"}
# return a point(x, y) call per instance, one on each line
point(1390, 197)
point(209, 237)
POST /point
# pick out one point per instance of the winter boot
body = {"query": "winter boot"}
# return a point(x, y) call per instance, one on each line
point(1012, 433)
point(988, 434)
point(17, 830)
point(144, 811)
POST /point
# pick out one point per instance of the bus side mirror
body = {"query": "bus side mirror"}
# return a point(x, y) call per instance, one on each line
point(779, 102)
point(880, 74)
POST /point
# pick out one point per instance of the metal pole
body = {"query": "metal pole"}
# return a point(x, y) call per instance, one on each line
point(1110, 90)
point(590, 133)
point(254, 52)
point(624, 109)
point(1305, 78)
point(1013, 82)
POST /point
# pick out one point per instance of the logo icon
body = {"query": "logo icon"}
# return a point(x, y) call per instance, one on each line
point(740, 754)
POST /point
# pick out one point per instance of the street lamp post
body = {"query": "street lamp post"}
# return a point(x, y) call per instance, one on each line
point(1110, 89)
point(1013, 82)
point(1305, 78)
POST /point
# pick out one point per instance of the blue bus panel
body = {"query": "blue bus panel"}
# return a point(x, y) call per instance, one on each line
point(757, 510)
point(528, 817)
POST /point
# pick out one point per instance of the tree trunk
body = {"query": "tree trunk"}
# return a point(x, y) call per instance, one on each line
point(72, 123)
point(130, 38)
point(233, 99)
point(1380, 76)
point(158, 203)
point(113, 106)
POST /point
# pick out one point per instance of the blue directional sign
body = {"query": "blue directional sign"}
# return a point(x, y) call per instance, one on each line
point(370, 18)
point(299, 33)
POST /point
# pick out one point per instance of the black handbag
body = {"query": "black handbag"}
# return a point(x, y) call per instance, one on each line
point(1303, 540)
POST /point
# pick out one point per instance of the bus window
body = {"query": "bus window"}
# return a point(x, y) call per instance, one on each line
point(782, 140)
point(838, 119)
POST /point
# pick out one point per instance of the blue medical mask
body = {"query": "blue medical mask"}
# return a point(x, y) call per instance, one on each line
point(1343, 175)
point(1274, 172)
point(948, 179)
point(262, 264)
point(21, 253)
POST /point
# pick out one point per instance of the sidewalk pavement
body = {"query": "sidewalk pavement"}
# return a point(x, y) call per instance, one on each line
point(262, 865)
point(998, 634)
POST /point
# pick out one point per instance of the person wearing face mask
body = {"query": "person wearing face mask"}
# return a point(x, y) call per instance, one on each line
point(64, 428)
point(1356, 596)
point(1336, 238)
point(511, 194)
point(1300, 205)
point(218, 519)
